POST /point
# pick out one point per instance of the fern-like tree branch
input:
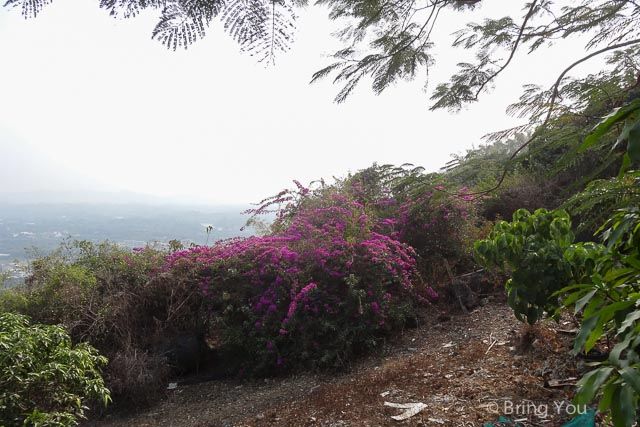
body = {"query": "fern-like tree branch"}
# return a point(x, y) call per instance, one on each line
point(513, 50)
point(555, 91)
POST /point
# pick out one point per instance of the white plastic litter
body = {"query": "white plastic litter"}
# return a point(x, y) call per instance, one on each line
point(411, 409)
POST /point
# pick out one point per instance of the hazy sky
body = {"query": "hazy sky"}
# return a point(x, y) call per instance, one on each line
point(92, 103)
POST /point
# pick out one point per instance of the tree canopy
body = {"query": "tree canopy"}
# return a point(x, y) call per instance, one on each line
point(390, 40)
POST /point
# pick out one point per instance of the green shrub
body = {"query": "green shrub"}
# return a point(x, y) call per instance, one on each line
point(62, 295)
point(609, 300)
point(119, 301)
point(45, 381)
point(600, 283)
point(532, 246)
point(13, 301)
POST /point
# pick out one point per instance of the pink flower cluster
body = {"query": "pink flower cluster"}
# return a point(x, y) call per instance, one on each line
point(300, 297)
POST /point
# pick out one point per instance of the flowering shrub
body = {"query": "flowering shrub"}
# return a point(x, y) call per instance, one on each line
point(337, 271)
point(440, 223)
point(439, 226)
point(322, 290)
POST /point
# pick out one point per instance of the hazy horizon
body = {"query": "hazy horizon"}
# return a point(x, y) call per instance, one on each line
point(90, 104)
point(28, 231)
point(95, 197)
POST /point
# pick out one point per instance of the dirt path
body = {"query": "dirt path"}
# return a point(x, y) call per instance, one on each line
point(467, 370)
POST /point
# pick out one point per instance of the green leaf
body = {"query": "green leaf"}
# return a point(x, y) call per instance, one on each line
point(571, 298)
point(626, 164)
point(607, 394)
point(623, 409)
point(616, 116)
point(590, 383)
point(631, 377)
point(629, 320)
point(585, 330)
point(595, 335)
point(633, 146)
point(618, 230)
point(614, 356)
point(610, 310)
point(584, 300)
point(633, 261)
point(593, 306)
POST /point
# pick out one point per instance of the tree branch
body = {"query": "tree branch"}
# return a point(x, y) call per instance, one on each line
point(513, 50)
point(552, 102)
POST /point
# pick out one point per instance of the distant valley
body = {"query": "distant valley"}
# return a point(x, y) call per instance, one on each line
point(29, 229)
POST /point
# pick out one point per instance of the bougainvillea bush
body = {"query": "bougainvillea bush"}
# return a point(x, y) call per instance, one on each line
point(324, 289)
point(439, 221)
point(339, 270)
point(441, 227)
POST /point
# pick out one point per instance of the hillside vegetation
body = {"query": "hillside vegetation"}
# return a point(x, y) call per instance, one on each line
point(345, 265)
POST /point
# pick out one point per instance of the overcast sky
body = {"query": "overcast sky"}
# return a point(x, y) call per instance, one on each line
point(89, 103)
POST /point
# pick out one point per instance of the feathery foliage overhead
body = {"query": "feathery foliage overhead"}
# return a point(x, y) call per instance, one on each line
point(389, 41)
point(392, 40)
point(262, 28)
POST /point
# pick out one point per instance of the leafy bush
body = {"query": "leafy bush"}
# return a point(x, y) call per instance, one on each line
point(532, 246)
point(439, 226)
point(609, 300)
point(602, 198)
point(45, 380)
point(120, 302)
point(603, 286)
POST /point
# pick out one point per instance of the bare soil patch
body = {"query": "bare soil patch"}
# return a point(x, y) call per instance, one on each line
point(468, 369)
